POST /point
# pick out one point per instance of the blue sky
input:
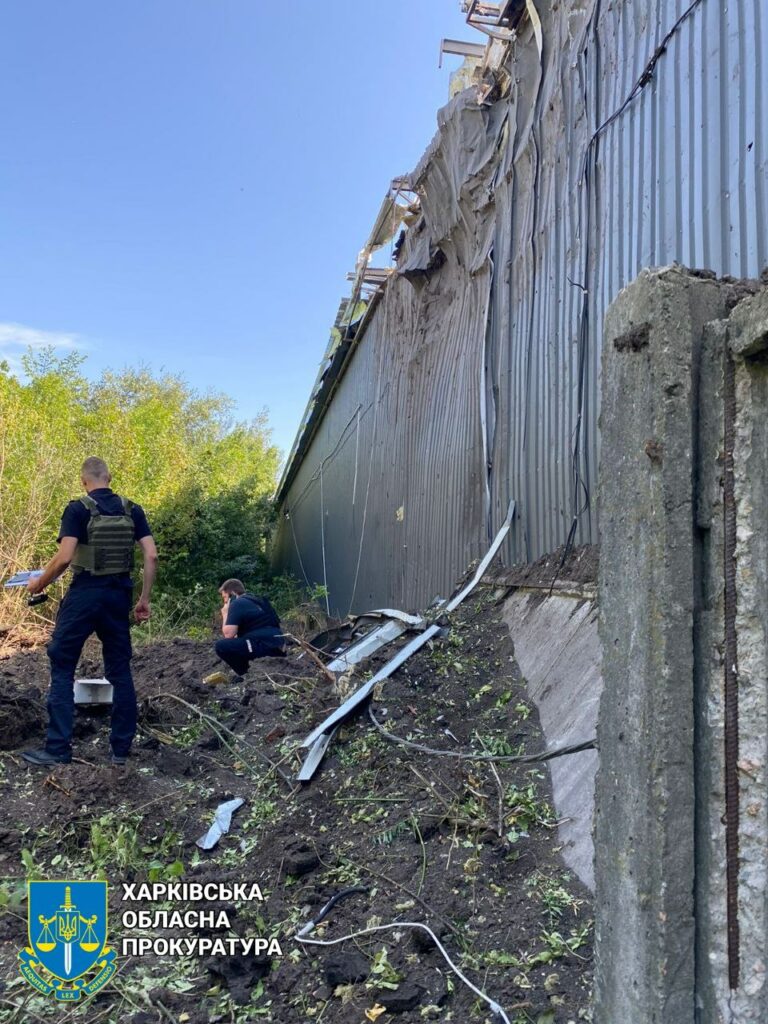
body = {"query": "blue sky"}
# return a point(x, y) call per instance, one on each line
point(185, 183)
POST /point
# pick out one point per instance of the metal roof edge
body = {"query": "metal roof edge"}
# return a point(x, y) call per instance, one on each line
point(339, 363)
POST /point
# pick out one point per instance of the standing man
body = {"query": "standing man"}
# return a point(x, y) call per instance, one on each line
point(97, 538)
point(250, 626)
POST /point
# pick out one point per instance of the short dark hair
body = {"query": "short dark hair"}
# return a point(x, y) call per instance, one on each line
point(232, 587)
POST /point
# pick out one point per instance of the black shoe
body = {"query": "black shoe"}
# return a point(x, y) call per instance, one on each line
point(117, 758)
point(43, 759)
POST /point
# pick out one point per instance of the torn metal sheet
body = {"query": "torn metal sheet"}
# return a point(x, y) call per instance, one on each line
point(525, 153)
point(369, 644)
point(533, 14)
point(490, 555)
point(315, 756)
point(366, 689)
point(394, 613)
point(377, 638)
point(222, 819)
point(391, 215)
point(416, 644)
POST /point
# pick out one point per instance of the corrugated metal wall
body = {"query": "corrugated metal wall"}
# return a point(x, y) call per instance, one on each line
point(465, 390)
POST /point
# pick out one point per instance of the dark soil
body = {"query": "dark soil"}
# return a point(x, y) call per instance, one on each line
point(580, 567)
point(469, 849)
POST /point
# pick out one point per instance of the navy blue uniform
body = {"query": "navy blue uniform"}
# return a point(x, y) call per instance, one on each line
point(258, 632)
point(100, 605)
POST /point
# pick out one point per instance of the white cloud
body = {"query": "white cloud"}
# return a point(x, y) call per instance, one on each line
point(19, 336)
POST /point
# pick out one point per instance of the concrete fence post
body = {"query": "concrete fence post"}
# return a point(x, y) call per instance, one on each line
point(652, 607)
point(748, 348)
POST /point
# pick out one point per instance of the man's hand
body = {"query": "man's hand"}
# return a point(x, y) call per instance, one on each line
point(57, 565)
point(142, 610)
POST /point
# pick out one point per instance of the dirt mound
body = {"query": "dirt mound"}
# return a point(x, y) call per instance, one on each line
point(21, 715)
point(467, 847)
point(580, 567)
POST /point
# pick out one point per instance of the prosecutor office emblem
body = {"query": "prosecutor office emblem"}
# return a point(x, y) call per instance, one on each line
point(67, 928)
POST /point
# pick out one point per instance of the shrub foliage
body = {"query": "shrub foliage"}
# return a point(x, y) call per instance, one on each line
point(204, 480)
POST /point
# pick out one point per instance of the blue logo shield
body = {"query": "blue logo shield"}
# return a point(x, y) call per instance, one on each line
point(67, 926)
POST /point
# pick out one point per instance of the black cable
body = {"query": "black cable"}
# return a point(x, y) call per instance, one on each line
point(579, 484)
point(329, 907)
point(544, 755)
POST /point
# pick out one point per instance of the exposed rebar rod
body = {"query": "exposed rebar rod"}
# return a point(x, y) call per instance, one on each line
point(731, 754)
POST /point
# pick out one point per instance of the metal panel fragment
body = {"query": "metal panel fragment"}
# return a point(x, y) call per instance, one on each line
point(315, 756)
point(369, 644)
point(366, 689)
point(222, 819)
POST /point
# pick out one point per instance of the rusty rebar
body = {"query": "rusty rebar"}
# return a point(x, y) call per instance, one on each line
point(731, 680)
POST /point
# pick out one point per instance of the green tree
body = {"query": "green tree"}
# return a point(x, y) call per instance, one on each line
point(204, 480)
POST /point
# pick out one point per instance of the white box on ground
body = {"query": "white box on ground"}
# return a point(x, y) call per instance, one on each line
point(93, 691)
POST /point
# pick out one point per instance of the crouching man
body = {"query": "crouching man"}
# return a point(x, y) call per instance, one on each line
point(250, 626)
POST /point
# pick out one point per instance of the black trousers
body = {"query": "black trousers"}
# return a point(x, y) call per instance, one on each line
point(104, 611)
point(239, 653)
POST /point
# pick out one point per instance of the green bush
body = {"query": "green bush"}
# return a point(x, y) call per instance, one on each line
point(204, 481)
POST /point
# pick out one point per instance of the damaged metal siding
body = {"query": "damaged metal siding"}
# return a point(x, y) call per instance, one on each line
point(400, 525)
point(463, 392)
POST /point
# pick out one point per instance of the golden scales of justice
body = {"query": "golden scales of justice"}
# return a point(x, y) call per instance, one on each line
point(67, 920)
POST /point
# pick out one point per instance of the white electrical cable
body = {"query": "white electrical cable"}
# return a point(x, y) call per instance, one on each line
point(374, 425)
point(303, 932)
point(357, 450)
point(296, 545)
point(322, 541)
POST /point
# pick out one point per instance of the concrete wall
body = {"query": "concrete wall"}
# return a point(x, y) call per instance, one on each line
point(667, 947)
point(748, 343)
point(558, 651)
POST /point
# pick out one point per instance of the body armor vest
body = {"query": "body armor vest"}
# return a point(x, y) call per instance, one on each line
point(111, 541)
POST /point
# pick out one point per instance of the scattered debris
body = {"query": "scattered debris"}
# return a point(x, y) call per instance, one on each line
point(222, 819)
point(215, 678)
point(315, 755)
point(314, 740)
point(398, 623)
point(435, 840)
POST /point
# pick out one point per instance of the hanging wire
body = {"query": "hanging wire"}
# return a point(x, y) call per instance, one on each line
point(589, 170)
